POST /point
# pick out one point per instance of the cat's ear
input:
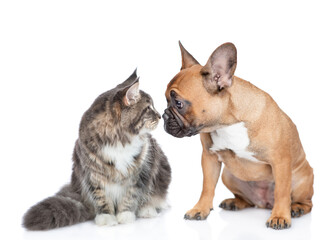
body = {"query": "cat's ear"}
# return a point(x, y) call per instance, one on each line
point(132, 94)
point(128, 82)
point(134, 75)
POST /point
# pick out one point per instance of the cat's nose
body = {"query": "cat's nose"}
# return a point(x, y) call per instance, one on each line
point(158, 115)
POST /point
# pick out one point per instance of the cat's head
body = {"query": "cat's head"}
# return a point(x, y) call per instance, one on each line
point(119, 114)
point(134, 107)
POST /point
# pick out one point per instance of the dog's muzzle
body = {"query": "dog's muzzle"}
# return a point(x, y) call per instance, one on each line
point(175, 127)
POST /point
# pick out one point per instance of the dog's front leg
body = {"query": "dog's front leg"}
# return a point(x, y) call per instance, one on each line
point(211, 169)
point(281, 213)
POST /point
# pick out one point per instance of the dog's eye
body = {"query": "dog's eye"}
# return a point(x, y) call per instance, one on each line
point(179, 104)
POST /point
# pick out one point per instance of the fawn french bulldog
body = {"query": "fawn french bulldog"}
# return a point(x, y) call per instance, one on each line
point(243, 128)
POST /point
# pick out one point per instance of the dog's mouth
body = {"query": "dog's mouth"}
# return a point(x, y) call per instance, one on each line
point(175, 126)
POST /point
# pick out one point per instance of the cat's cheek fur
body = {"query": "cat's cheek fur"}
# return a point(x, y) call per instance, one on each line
point(106, 220)
point(126, 217)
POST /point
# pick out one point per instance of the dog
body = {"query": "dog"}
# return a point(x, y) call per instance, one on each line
point(243, 128)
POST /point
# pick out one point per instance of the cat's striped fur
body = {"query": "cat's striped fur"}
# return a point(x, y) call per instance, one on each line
point(119, 171)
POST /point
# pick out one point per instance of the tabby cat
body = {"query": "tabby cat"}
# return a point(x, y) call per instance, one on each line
point(119, 171)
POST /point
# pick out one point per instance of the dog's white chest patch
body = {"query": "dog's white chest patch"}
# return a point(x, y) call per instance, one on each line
point(235, 138)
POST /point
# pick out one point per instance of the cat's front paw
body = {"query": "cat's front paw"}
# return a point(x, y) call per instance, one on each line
point(105, 220)
point(126, 217)
point(147, 212)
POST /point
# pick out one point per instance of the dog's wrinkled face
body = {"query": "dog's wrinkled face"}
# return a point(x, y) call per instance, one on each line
point(197, 95)
point(180, 116)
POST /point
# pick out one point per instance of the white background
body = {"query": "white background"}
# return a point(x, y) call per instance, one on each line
point(56, 57)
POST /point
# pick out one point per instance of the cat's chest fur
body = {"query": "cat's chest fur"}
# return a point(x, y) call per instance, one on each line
point(233, 137)
point(124, 157)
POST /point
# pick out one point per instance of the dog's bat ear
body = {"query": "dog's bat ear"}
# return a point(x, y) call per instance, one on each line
point(187, 59)
point(218, 71)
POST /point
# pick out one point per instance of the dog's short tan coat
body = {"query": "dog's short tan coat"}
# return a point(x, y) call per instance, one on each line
point(219, 99)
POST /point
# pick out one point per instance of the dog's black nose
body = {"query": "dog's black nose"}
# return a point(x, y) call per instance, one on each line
point(165, 116)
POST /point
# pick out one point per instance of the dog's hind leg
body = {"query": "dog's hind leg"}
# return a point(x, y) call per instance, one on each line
point(235, 204)
point(239, 202)
point(302, 190)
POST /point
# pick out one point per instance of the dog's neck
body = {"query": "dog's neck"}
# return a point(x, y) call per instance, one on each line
point(245, 102)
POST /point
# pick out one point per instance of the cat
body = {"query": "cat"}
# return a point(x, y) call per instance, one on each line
point(119, 171)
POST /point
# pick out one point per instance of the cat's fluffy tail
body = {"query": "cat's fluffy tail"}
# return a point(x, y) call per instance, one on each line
point(63, 209)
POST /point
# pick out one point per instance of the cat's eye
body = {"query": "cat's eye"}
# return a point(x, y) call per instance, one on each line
point(179, 104)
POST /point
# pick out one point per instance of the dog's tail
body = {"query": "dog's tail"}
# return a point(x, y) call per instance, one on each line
point(64, 209)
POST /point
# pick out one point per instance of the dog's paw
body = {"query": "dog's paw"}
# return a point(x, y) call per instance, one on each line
point(298, 209)
point(126, 217)
point(234, 204)
point(278, 223)
point(197, 214)
point(105, 220)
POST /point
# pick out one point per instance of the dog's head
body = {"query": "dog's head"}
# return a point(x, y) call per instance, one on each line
point(198, 95)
